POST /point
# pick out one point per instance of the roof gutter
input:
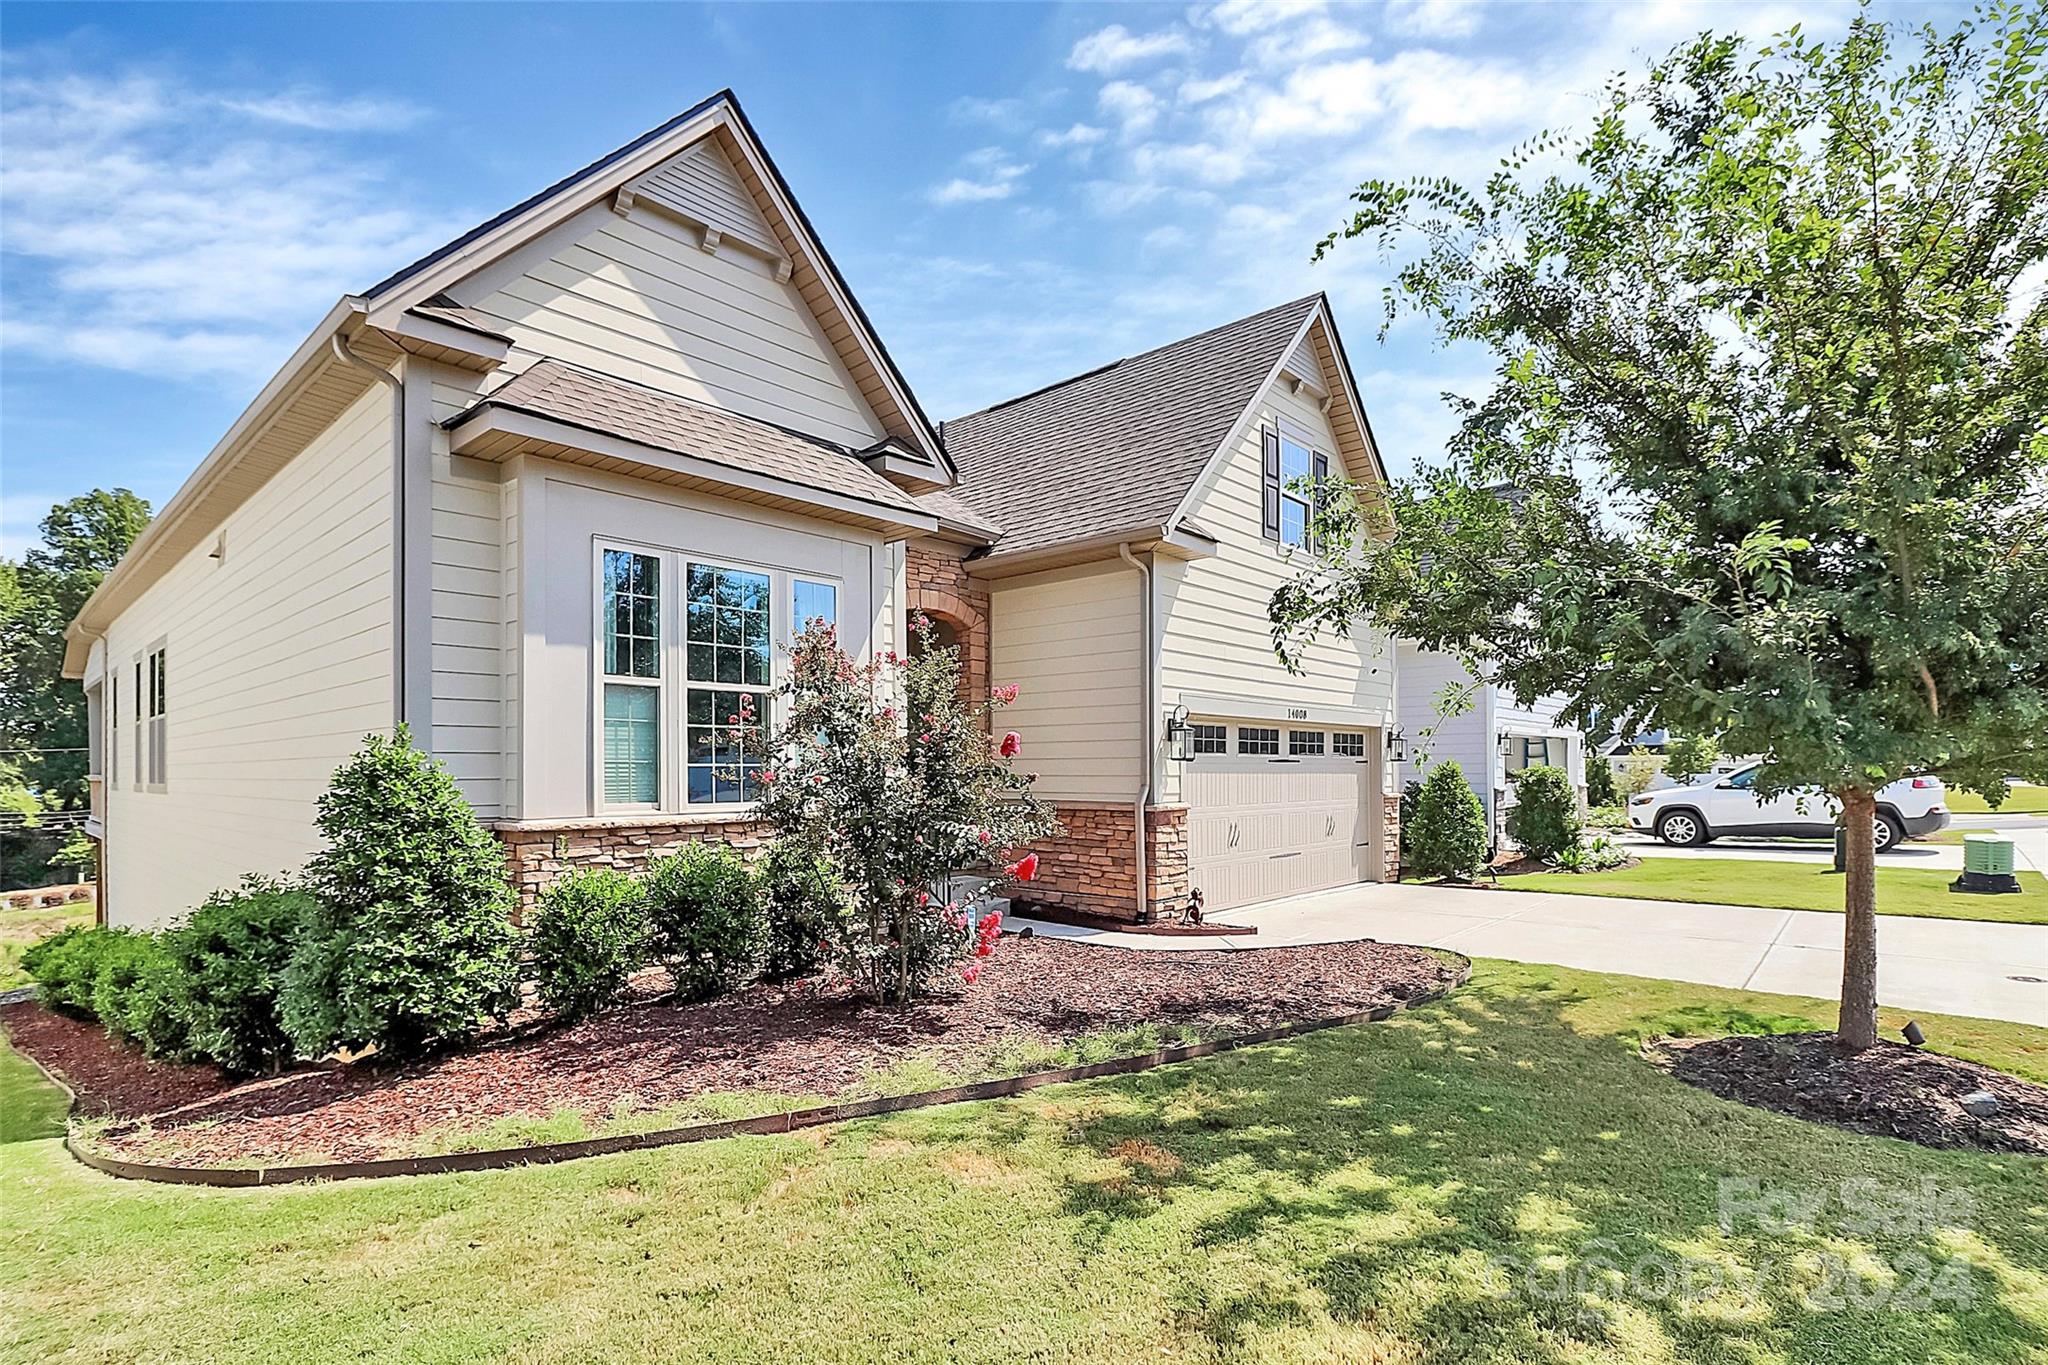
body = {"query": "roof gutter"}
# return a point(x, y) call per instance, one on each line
point(1148, 683)
point(399, 520)
point(98, 611)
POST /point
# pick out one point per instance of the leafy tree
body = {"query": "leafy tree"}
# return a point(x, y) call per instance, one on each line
point(1772, 394)
point(409, 944)
point(1448, 836)
point(883, 774)
point(1639, 768)
point(1689, 758)
point(42, 716)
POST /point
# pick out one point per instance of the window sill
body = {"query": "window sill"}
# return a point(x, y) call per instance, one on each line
point(721, 815)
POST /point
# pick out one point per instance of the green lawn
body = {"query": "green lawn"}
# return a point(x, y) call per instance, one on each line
point(1337, 1198)
point(1793, 886)
point(2021, 800)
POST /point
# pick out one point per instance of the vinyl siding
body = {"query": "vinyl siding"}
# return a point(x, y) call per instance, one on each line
point(1070, 640)
point(279, 661)
point(1472, 737)
point(635, 296)
point(469, 655)
point(1214, 639)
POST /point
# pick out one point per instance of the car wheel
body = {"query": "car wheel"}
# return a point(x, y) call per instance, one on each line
point(1682, 829)
point(1886, 832)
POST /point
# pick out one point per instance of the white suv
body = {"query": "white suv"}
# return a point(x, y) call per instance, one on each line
point(1689, 816)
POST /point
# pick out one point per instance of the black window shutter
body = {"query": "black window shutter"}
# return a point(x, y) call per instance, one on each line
point(1322, 472)
point(1269, 498)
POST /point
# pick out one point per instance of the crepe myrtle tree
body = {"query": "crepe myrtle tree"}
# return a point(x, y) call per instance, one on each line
point(880, 771)
point(1766, 453)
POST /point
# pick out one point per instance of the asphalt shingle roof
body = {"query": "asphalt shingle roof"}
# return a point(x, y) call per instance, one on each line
point(634, 412)
point(1117, 448)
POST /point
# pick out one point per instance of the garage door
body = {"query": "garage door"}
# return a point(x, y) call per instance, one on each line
point(1260, 828)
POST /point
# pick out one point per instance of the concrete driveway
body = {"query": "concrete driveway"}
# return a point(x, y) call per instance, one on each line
point(1950, 966)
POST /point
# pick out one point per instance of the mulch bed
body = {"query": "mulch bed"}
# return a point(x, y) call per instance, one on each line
point(806, 1037)
point(1891, 1090)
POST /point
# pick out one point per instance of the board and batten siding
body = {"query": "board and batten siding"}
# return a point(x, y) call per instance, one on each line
point(278, 663)
point(1070, 641)
point(636, 296)
point(1214, 640)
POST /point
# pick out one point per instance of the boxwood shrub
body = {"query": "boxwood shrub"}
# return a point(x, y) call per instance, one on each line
point(233, 953)
point(590, 932)
point(709, 928)
point(1448, 837)
point(1545, 817)
point(65, 966)
point(805, 903)
point(137, 993)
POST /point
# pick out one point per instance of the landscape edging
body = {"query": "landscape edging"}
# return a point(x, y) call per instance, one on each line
point(546, 1154)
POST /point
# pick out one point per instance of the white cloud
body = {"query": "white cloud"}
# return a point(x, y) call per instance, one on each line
point(1312, 38)
point(164, 229)
point(1433, 18)
point(1132, 106)
point(992, 175)
point(1202, 162)
point(1239, 17)
point(1115, 48)
point(1201, 91)
point(1079, 135)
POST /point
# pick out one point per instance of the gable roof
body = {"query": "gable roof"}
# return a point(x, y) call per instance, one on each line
point(314, 386)
point(1119, 448)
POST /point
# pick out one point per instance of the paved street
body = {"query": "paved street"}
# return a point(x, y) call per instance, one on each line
point(2029, 835)
point(1951, 966)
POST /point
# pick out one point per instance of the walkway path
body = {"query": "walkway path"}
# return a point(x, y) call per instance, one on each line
point(1994, 971)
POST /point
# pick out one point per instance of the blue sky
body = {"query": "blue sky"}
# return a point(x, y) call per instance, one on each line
point(1016, 192)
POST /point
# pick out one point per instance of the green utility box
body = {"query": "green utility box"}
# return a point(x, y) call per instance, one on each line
point(1987, 866)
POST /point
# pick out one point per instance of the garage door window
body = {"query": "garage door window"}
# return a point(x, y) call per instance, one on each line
point(1347, 744)
point(1211, 739)
point(1257, 739)
point(1305, 743)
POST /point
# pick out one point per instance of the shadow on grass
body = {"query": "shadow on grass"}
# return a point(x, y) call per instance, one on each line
point(1479, 1181)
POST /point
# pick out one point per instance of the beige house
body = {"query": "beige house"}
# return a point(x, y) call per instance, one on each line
point(554, 495)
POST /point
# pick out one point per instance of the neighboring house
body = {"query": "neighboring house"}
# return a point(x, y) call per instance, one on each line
point(555, 495)
point(1492, 737)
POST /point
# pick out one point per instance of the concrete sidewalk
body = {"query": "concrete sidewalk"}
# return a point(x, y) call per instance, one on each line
point(1950, 966)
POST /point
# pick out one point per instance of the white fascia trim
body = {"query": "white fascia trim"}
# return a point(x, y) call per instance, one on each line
point(493, 420)
point(1240, 426)
point(434, 332)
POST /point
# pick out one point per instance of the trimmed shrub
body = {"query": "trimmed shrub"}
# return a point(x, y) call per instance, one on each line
point(138, 994)
point(708, 926)
point(1545, 817)
point(590, 933)
point(234, 952)
point(1449, 837)
point(65, 966)
point(409, 944)
point(807, 908)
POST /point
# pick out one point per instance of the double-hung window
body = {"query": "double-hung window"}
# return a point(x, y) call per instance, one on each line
point(151, 706)
point(729, 636)
point(1297, 462)
point(630, 616)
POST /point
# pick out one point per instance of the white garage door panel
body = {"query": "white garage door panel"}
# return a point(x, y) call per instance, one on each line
point(1260, 830)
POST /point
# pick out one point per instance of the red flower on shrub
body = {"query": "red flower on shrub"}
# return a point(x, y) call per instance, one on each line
point(1011, 745)
point(1004, 694)
point(1024, 869)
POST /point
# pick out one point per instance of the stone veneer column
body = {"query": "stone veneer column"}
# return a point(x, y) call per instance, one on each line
point(1390, 856)
point(937, 584)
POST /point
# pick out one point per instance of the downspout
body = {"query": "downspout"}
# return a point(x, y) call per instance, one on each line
point(1147, 682)
point(400, 568)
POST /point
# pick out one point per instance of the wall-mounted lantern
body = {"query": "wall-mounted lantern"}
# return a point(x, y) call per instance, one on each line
point(1180, 736)
point(1397, 745)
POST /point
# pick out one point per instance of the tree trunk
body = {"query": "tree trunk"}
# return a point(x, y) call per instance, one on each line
point(1856, 1028)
